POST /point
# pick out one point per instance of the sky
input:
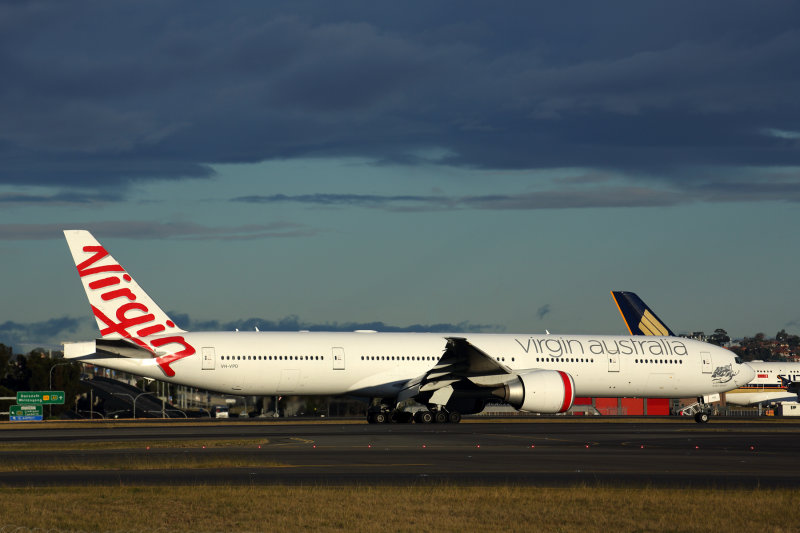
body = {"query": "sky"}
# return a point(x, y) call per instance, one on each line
point(419, 166)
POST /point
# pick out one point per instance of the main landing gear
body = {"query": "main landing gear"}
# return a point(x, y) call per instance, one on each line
point(382, 414)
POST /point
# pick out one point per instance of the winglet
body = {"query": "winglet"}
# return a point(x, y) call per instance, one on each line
point(638, 317)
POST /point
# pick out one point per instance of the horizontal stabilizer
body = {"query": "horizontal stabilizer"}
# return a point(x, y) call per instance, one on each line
point(122, 348)
point(106, 348)
point(73, 350)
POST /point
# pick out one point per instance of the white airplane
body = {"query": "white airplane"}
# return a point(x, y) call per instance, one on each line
point(450, 375)
point(773, 381)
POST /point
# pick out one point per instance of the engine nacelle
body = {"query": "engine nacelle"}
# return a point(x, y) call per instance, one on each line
point(540, 391)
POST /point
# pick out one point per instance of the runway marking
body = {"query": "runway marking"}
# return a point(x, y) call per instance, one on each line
point(771, 429)
point(131, 445)
point(641, 444)
point(299, 440)
point(536, 438)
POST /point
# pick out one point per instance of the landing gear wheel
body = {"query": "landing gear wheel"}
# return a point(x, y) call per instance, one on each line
point(370, 418)
point(379, 418)
point(423, 417)
point(454, 417)
point(441, 417)
point(701, 418)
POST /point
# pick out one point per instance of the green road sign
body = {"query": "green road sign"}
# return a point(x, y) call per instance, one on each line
point(40, 397)
point(21, 410)
point(20, 413)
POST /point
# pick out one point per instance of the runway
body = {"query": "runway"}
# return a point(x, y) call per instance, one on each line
point(546, 452)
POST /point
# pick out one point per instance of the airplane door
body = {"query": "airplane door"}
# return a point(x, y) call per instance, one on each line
point(338, 358)
point(705, 357)
point(209, 358)
point(613, 363)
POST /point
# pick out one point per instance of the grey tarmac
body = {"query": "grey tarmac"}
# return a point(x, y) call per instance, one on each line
point(535, 452)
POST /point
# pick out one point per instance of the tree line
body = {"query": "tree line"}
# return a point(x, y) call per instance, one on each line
point(759, 347)
point(36, 371)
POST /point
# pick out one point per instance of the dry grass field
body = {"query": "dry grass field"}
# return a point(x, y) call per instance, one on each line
point(389, 508)
point(368, 507)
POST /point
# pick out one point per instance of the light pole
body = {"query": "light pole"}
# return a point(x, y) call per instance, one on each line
point(51, 383)
point(134, 401)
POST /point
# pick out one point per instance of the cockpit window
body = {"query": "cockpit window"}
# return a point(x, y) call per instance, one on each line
point(738, 360)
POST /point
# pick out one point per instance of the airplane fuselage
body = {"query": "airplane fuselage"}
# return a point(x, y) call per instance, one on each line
point(372, 364)
point(767, 386)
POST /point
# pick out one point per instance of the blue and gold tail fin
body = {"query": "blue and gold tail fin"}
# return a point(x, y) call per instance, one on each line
point(640, 319)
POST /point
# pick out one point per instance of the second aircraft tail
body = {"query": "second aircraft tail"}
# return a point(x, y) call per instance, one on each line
point(640, 319)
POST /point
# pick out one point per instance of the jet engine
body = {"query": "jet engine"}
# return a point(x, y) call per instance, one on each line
point(540, 391)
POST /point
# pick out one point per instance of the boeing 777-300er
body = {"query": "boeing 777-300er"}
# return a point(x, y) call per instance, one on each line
point(773, 382)
point(449, 375)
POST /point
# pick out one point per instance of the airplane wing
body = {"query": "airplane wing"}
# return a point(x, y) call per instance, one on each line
point(461, 361)
point(467, 369)
point(462, 358)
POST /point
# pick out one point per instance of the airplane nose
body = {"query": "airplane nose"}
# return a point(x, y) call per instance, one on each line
point(746, 374)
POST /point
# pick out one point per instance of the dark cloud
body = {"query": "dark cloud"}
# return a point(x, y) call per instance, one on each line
point(568, 198)
point(543, 311)
point(52, 333)
point(294, 323)
point(735, 190)
point(48, 333)
point(156, 230)
point(62, 198)
point(394, 202)
point(99, 94)
point(610, 197)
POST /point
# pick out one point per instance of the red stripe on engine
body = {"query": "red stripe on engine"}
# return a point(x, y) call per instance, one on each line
point(568, 392)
